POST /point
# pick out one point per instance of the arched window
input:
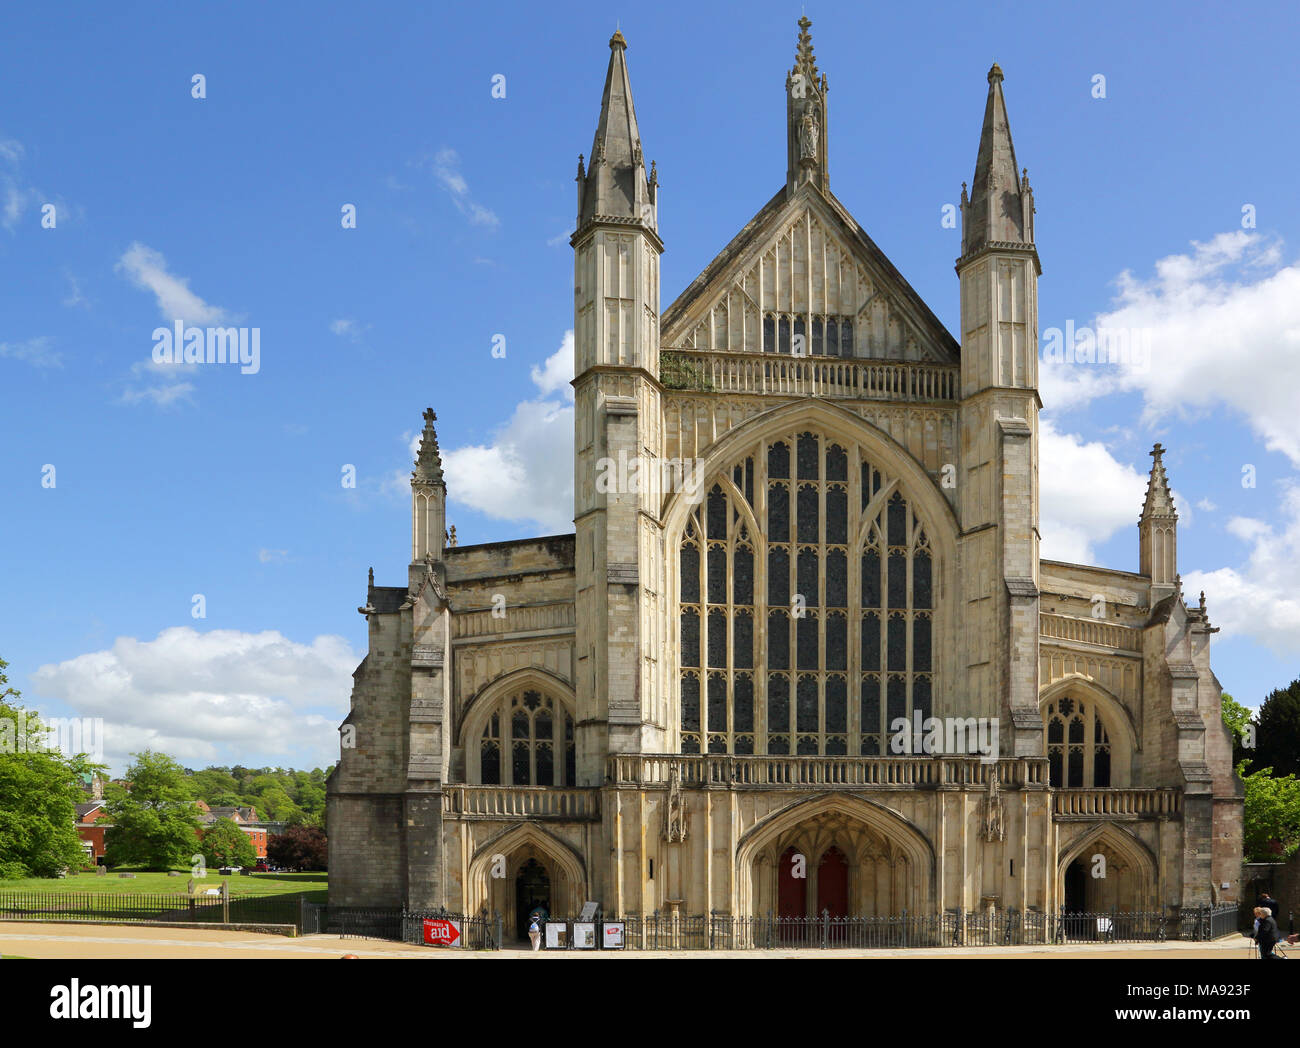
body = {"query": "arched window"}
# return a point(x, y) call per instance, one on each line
point(528, 741)
point(814, 634)
point(1078, 748)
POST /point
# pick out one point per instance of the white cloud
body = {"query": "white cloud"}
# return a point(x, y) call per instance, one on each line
point(1085, 495)
point(1259, 600)
point(556, 373)
point(446, 168)
point(272, 556)
point(219, 696)
point(147, 269)
point(17, 194)
point(164, 384)
point(74, 296)
point(346, 327)
point(526, 472)
point(35, 351)
point(1208, 505)
point(1224, 332)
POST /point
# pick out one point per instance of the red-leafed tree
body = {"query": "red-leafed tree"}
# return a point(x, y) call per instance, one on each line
point(299, 848)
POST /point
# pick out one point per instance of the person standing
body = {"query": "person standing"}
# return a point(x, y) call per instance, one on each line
point(535, 933)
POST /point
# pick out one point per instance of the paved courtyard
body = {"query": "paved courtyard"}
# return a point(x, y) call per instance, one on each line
point(34, 939)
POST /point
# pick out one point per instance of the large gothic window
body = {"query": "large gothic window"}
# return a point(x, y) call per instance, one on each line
point(1078, 748)
point(806, 588)
point(528, 741)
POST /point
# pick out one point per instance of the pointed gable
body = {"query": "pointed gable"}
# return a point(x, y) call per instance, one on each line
point(805, 261)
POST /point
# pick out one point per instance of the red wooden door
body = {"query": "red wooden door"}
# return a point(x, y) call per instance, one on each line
point(833, 884)
point(791, 892)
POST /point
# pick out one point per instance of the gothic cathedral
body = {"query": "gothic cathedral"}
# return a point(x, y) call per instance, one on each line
point(815, 627)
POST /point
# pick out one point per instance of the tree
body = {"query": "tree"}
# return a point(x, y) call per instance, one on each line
point(1271, 817)
point(155, 822)
point(1277, 734)
point(39, 792)
point(1237, 717)
point(225, 844)
point(299, 848)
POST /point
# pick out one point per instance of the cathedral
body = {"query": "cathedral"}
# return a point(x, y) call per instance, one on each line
point(800, 654)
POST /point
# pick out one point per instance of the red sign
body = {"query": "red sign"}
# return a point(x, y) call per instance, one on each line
point(441, 933)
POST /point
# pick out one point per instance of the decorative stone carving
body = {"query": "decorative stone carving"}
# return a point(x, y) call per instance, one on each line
point(809, 131)
point(994, 817)
point(426, 657)
point(674, 809)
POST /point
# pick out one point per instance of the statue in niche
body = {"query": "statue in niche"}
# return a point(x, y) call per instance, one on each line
point(809, 130)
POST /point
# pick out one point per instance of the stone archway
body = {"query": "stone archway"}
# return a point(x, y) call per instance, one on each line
point(533, 854)
point(1108, 870)
point(886, 863)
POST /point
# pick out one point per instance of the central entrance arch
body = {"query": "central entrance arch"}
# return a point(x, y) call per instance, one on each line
point(857, 859)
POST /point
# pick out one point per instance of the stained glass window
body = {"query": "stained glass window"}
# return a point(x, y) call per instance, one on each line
point(761, 609)
point(1078, 746)
point(537, 729)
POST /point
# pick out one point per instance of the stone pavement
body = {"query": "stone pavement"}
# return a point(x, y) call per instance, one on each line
point(49, 940)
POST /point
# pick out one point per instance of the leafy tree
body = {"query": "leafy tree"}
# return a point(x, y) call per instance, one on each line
point(39, 792)
point(1237, 717)
point(155, 821)
point(299, 848)
point(1272, 816)
point(225, 844)
point(1277, 735)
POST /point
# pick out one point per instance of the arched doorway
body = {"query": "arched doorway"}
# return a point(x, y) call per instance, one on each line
point(833, 884)
point(792, 893)
point(1075, 900)
point(862, 861)
point(532, 892)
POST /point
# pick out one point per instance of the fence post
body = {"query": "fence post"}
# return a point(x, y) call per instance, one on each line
point(497, 915)
point(826, 927)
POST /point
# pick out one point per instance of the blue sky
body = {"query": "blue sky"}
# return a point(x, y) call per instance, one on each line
point(172, 482)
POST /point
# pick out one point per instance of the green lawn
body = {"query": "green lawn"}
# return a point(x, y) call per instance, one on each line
point(161, 884)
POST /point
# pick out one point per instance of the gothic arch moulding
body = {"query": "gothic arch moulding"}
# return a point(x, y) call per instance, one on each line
point(1115, 717)
point(884, 834)
point(490, 700)
point(517, 845)
point(1131, 880)
point(835, 422)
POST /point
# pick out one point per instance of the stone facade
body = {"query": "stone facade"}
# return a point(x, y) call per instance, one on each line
point(801, 652)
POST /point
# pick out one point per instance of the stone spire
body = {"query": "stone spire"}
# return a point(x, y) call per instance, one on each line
point(1158, 532)
point(614, 185)
point(1000, 208)
point(428, 462)
point(1159, 503)
point(805, 107)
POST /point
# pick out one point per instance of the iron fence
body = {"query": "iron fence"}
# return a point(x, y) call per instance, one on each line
point(905, 931)
point(656, 931)
point(150, 908)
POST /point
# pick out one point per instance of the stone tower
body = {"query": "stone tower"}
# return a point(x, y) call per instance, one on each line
point(997, 479)
point(427, 724)
point(1158, 532)
point(616, 491)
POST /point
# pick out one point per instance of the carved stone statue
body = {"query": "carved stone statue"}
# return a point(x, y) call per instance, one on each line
point(809, 130)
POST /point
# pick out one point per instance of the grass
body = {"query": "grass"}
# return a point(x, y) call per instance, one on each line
point(314, 884)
